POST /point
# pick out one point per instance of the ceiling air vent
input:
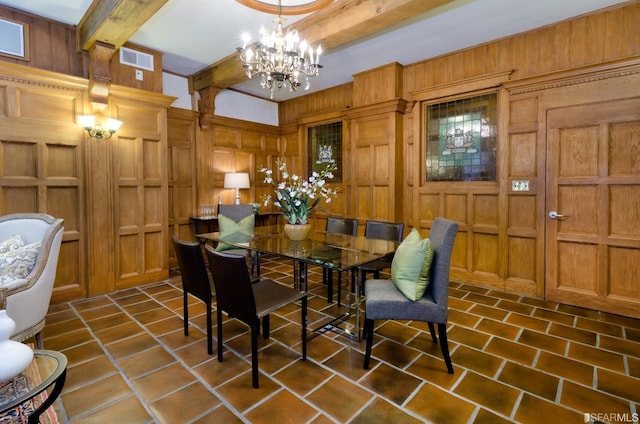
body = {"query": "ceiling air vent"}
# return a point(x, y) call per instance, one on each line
point(136, 59)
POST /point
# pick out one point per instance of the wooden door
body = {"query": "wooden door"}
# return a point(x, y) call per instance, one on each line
point(593, 182)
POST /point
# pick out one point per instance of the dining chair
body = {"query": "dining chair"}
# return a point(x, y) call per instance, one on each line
point(238, 218)
point(380, 230)
point(195, 281)
point(384, 301)
point(336, 225)
point(250, 303)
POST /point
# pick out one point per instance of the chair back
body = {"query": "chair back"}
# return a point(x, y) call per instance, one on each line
point(234, 293)
point(192, 269)
point(235, 212)
point(347, 226)
point(392, 231)
point(442, 235)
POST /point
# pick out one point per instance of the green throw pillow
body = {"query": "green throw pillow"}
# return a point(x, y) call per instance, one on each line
point(411, 265)
point(228, 227)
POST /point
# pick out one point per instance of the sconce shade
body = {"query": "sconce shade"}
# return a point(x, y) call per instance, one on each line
point(97, 128)
point(236, 180)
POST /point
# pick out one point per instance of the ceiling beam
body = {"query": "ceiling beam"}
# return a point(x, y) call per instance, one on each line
point(340, 23)
point(114, 21)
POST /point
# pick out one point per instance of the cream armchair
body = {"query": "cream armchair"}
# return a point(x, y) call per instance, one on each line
point(28, 298)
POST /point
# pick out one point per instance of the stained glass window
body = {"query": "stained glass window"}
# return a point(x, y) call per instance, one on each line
point(325, 146)
point(461, 139)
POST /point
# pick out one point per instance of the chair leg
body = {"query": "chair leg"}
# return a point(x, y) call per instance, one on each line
point(444, 345)
point(265, 326)
point(39, 341)
point(368, 329)
point(303, 321)
point(185, 314)
point(432, 330)
point(339, 286)
point(219, 317)
point(209, 329)
point(327, 278)
point(255, 329)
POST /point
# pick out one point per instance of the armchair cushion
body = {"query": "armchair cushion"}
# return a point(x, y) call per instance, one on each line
point(411, 265)
point(12, 243)
point(18, 263)
point(228, 226)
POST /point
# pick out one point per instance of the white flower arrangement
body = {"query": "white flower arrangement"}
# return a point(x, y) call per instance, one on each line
point(295, 197)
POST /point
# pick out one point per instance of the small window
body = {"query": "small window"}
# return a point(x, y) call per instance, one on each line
point(461, 140)
point(14, 38)
point(325, 147)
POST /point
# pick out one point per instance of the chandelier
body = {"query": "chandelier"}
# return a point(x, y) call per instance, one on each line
point(279, 59)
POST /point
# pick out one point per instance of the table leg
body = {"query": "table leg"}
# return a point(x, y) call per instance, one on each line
point(34, 418)
point(299, 275)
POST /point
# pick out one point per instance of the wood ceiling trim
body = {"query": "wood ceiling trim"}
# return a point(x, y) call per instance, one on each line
point(285, 10)
point(114, 21)
point(340, 23)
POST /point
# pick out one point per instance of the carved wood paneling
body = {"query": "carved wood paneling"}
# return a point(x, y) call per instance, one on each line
point(570, 44)
point(41, 163)
point(181, 175)
point(330, 100)
point(140, 191)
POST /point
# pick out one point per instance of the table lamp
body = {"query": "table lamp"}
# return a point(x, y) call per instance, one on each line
point(236, 180)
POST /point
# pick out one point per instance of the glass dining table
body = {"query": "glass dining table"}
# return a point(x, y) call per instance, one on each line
point(338, 252)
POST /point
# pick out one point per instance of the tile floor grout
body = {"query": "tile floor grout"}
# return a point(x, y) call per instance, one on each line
point(387, 350)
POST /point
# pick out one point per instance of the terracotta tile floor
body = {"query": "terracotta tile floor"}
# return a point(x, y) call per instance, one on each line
point(516, 360)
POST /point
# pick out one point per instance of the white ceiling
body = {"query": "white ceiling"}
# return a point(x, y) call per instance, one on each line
point(193, 34)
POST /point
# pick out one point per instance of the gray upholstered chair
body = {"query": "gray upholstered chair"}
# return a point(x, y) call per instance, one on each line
point(383, 301)
point(28, 298)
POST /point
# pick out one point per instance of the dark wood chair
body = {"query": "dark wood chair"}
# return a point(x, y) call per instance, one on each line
point(380, 230)
point(337, 225)
point(195, 281)
point(250, 303)
point(383, 301)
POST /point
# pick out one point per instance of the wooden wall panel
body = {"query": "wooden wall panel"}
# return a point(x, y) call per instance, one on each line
point(330, 100)
point(485, 211)
point(582, 41)
point(521, 212)
point(41, 158)
point(523, 155)
point(236, 146)
point(125, 75)
point(51, 45)
point(522, 259)
point(181, 174)
point(377, 85)
point(140, 180)
point(485, 254)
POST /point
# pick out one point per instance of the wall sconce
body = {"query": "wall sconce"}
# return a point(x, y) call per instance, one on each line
point(236, 180)
point(98, 128)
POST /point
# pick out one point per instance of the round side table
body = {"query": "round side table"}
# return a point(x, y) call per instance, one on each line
point(52, 367)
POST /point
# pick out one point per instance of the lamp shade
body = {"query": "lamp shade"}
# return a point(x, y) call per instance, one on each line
point(236, 180)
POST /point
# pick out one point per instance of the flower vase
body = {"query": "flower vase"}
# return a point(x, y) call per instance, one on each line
point(297, 232)
point(16, 356)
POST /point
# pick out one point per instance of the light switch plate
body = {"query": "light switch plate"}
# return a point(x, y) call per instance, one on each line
point(520, 185)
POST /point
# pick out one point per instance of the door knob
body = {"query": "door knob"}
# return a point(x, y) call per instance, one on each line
point(556, 215)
